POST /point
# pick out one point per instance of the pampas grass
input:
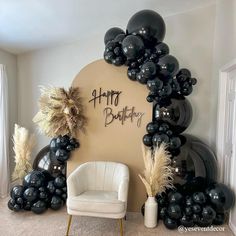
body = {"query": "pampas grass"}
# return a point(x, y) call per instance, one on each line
point(60, 112)
point(23, 145)
point(158, 174)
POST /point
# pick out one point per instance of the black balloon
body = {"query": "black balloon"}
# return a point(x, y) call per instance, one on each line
point(31, 194)
point(132, 46)
point(51, 188)
point(199, 198)
point(168, 66)
point(147, 140)
point(17, 191)
point(16, 207)
point(178, 113)
point(53, 145)
point(219, 219)
point(186, 221)
point(56, 203)
point(154, 85)
point(174, 211)
point(152, 127)
point(27, 206)
point(149, 25)
point(170, 223)
point(196, 209)
point(148, 69)
point(188, 211)
point(112, 33)
point(132, 73)
point(60, 181)
point(162, 49)
point(34, 179)
point(204, 222)
point(163, 213)
point(39, 207)
point(160, 138)
point(176, 197)
point(221, 196)
point(62, 155)
point(208, 213)
point(11, 204)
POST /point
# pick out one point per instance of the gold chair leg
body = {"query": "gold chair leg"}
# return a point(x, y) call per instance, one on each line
point(68, 226)
point(121, 227)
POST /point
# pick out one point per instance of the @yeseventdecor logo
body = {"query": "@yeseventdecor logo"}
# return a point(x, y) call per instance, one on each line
point(112, 99)
point(183, 229)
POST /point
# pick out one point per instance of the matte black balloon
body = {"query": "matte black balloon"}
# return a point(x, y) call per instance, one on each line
point(148, 69)
point(39, 207)
point(154, 85)
point(31, 194)
point(174, 211)
point(219, 219)
point(56, 203)
point(162, 49)
point(221, 196)
point(147, 140)
point(17, 191)
point(11, 204)
point(186, 221)
point(149, 25)
point(170, 223)
point(34, 179)
point(51, 188)
point(112, 33)
point(176, 197)
point(62, 155)
point(168, 65)
point(163, 213)
point(199, 198)
point(152, 127)
point(132, 46)
point(208, 213)
point(178, 113)
point(197, 209)
point(64, 189)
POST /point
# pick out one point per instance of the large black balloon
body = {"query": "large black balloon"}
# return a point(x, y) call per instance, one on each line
point(112, 33)
point(34, 178)
point(56, 203)
point(149, 25)
point(195, 160)
point(132, 46)
point(178, 113)
point(46, 160)
point(39, 207)
point(176, 197)
point(31, 194)
point(168, 66)
point(221, 196)
point(170, 223)
point(17, 191)
point(174, 211)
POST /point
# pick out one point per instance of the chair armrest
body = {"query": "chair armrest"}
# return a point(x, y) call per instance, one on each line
point(75, 183)
point(123, 190)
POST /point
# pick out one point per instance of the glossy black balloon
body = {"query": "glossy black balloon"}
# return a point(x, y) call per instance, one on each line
point(208, 213)
point(204, 222)
point(27, 206)
point(51, 187)
point(176, 197)
point(20, 201)
point(189, 201)
point(39, 207)
point(196, 218)
point(149, 25)
point(195, 160)
point(148, 69)
point(152, 127)
point(16, 207)
point(186, 221)
point(56, 203)
point(174, 211)
point(196, 208)
point(163, 213)
point(17, 191)
point(31, 194)
point(178, 113)
point(170, 223)
point(11, 204)
point(162, 49)
point(60, 181)
point(219, 219)
point(132, 46)
point(188, 211)
point(47, 161)
point(147, 140)
point(160, 138)
point(199, 198)
point(112, 33)
point(154, 85)
point(221, 196)
point(34, 178)
point(168, 66)
point(62, 155)
point(132, 73)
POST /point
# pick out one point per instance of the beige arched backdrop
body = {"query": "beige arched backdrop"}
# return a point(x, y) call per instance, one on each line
point(115, 142)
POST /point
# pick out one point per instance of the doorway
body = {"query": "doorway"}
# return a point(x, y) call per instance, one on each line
point(226, 131)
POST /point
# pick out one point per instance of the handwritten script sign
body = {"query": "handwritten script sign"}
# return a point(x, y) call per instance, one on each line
point(112, 98)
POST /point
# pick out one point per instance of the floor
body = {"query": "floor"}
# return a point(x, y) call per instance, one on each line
point(53, 223)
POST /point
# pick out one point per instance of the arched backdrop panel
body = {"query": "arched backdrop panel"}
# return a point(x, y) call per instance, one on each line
point(107, 138)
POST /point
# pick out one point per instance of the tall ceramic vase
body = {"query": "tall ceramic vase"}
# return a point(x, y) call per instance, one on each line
point(150, 214)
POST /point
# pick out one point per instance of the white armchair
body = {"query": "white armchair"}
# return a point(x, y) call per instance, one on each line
point(98, 189)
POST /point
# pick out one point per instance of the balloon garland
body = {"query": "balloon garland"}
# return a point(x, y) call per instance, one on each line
point(197, 199)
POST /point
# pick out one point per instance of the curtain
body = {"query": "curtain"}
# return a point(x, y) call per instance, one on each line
point(4, 134)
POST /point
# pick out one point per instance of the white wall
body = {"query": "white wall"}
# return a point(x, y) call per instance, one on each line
point(10, 61)
point(189, 35)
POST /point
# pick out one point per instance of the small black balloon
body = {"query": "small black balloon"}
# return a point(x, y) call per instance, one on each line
point(16, 207)
point(132, 73)
point(30, 194)
point(132, 46)
point(219, 219)
point(208, 213)
point(174, 143)
point(152, 127)
point(27, 206)
point(112, 33)
point(163, 213)
point(119, 38)
point(196, 208)
point(147, 140)
point(11, 204)
point(170, 223)
point(203, 222)
point(154, 85)
point(176, 197)
point(188, 211)
point(17, 191)
point(141, 79)
point(199, 197)
point(168, 66)
point(56, 203)
point(20, 201)
point(60, 181)
point(186, 221)
point(195, 217)
point(148, 69)
point(39, 207)
point(174, 211)
point(50, 186)
point(188, 201)
point(162, 49)
point(62, 155)
point(160, 138)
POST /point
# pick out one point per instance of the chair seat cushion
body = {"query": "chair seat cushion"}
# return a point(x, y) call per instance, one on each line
point(97, 202)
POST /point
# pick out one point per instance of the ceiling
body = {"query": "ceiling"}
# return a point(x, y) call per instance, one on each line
point(33, 24)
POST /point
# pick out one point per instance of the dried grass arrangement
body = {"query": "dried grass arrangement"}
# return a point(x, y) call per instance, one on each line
point(158, 175)
point(61, 112)
point(23, 145)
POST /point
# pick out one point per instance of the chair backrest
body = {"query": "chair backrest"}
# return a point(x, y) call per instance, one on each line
point(103, 175)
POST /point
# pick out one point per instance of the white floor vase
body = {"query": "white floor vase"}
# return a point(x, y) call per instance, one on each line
point(150, 214)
